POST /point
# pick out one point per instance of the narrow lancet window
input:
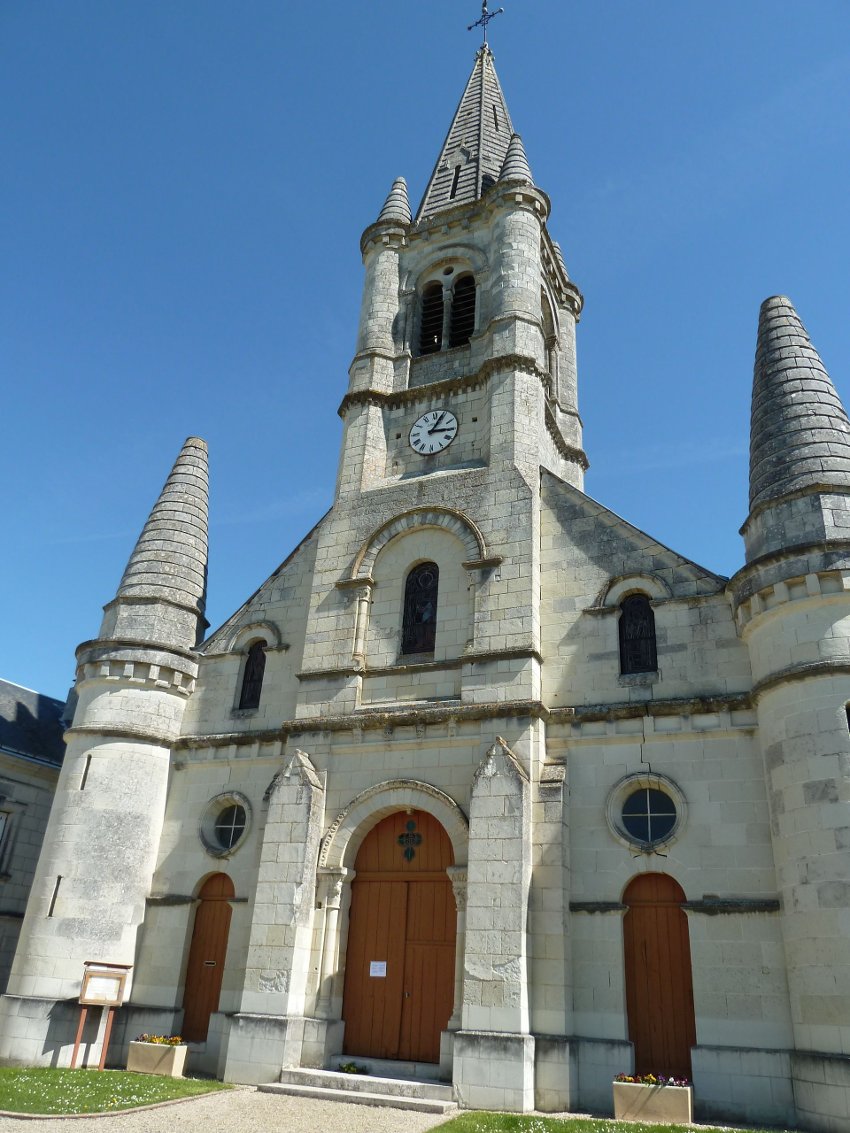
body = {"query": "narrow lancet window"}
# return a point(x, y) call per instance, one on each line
point(431, 326)
point(419, 628)
point(455, 182)
point(637, 635)
point(463, 311)
point(252, 678)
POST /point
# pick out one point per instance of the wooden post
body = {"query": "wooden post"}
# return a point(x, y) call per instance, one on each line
point(83, 1012)
point(110, 1013)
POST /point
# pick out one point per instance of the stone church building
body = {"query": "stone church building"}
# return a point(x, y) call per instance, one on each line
point(483, 785)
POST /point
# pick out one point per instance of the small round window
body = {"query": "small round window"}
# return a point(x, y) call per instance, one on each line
point(649, 815)
point(646, 811)
point(224, 823)
point(230, 826)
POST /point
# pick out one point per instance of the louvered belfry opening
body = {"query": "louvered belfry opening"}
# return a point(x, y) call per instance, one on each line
point(431, 328)
point(463, 311)
point(419, 628)
point(637, 635)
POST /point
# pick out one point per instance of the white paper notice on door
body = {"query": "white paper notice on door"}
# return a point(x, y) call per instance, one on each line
point(378, 968)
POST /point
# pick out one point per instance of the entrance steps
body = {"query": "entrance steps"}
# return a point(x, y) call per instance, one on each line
point(363, 1089)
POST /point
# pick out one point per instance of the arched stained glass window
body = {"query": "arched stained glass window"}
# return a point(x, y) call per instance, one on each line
point(431, 326)
point(463, 311)
point(252, 678)
point(637, 635)
point(419, 627)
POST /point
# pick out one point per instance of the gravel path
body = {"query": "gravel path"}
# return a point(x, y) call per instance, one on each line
point(243, 1110)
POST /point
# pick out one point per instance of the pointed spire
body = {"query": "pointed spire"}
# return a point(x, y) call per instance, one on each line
point(474, 150)
point(559, 256)
point(799, 431)
point(170, 559)
point(397, 204)
point(515, 167)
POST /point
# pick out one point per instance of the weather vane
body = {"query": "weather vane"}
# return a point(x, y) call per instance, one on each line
point(486, 17)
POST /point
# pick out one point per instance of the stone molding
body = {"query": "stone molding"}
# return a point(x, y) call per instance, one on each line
point(716, 906)
point(449, 519)
point(788, 497)
point(372, 720)
point(565, 451)
point(786, 590)
point(423, 666)
point(341, 842)
point(126, 649)
point(123, 732)
point(240, 636)
point(625, 710)
point(801, 673)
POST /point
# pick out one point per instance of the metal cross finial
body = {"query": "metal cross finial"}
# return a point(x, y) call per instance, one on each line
point(486, 17)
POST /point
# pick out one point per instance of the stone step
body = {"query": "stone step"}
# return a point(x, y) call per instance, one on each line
point(354, 1097)
point(368, 1083)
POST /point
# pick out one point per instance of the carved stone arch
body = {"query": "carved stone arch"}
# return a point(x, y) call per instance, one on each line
point(447, 518)
point(347, 831)
point(462, 256)
point(621, 587)
point(243, 636)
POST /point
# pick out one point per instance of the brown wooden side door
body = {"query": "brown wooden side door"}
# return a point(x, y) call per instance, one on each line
point(399, 969)
point(205, 967)
point(659, 985)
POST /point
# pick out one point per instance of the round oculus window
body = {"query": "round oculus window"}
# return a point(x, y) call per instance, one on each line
point(646, 811)
point(230, 826)
point(224, 823)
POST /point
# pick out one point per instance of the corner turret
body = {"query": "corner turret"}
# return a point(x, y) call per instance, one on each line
point(94, 873)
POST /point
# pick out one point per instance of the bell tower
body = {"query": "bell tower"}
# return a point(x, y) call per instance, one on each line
point(470, 293)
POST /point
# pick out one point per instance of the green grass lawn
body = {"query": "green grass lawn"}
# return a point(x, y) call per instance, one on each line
point(44, 1090)
point(477, 1122)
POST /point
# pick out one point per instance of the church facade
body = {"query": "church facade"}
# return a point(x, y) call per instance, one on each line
point(483, 783)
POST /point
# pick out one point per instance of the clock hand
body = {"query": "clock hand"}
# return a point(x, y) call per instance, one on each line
point(436, 423)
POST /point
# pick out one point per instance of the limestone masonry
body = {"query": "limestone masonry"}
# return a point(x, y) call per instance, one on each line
point(483, 783)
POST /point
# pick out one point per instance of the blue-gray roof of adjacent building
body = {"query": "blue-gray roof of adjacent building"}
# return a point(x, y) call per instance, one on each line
point(31, 724)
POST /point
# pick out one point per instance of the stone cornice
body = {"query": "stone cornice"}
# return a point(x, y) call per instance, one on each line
point(103, 646)
point(796, 550)
point(802, 673)
point(817, 488)
point(421, 666)
point(624, 710)
point(372, 720)
point(719, 906)
point(115, 732)
point(567, 452)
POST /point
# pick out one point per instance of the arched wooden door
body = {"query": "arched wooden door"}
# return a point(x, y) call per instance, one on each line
point(659, 986)
point(399, 967)
point(205, 968)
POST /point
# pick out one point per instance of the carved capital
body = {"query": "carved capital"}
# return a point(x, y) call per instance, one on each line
point(457, 876)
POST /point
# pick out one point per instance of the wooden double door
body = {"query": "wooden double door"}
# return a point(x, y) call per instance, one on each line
point(400, 961)
point(659, 985)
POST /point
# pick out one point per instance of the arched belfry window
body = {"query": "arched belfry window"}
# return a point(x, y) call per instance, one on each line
point(419, 626)
point(463, 311)
point(252, 678)
point(431, 326)
point(637, 635)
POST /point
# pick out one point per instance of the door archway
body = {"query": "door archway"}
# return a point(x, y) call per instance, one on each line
point(400, 961)
point(205, 967)
point(659, 983)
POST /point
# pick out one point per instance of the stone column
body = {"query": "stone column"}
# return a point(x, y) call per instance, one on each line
point(332, 882)
point(458, 876)
point(494, 1052)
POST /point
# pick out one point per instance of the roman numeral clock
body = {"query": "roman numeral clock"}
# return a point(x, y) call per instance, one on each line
point(433, 431)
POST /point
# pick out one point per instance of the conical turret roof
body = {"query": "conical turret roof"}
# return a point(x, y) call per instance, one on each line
point(515, 167)
point(397, 204)
point(170, 559)
point(799, 431)
point(476, 143)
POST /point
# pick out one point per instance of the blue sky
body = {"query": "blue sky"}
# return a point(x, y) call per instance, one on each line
point(184, 187)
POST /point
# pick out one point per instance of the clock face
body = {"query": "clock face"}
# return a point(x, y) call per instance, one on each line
point(433, 431)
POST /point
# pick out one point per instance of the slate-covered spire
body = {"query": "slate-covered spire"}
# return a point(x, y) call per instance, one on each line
point(397, 204)
point(170, 559)
point(799, 431)
point(515, 167)
point(476, 144)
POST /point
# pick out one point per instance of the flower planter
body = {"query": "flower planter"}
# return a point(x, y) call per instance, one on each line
point(637, 1101)
point(157, 1058)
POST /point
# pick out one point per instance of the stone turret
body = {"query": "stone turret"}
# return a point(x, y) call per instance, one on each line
point(88, 897)
point(792, 603)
